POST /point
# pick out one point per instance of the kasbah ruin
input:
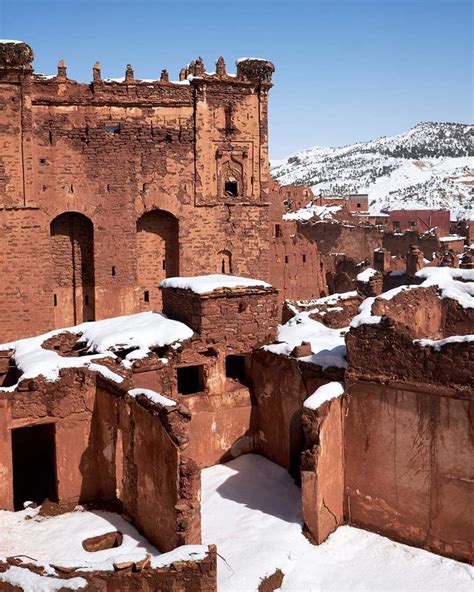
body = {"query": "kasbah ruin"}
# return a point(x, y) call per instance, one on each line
point(163, 311)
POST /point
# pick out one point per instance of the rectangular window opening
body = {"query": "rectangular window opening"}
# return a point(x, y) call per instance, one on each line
point(55, 299)
point(112, 128)
point(235, 368)
point(286, 258)
point(164, 264)
point(304, 258)
point(190, 379)
point(278, 232)
point(113, 269)
point(231, 188)
point(146, 296)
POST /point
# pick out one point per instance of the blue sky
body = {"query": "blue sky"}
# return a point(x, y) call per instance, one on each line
point(347, 70)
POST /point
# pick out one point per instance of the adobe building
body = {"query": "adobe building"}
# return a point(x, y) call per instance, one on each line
point(420, 220)
point(108, 187)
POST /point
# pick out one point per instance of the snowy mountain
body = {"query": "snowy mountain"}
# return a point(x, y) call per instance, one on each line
point(430, 166)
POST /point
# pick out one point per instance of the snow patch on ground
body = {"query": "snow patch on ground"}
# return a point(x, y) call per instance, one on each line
point(328, 345)
point(57, 540)
point(32, 582)
point(202, 284)
point(251, 509)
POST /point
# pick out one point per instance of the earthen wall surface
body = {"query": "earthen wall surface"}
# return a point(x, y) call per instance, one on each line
point(113, 152)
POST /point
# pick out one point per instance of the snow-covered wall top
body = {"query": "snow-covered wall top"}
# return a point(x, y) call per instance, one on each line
point(100, 339)
point(430, 166)
point(457, 284)
point(328, 345)
point(203, 284)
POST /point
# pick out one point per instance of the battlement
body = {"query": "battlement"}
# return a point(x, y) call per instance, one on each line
point(17, 55)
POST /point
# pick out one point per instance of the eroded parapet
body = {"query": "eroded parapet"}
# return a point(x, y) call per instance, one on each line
point(15, 55)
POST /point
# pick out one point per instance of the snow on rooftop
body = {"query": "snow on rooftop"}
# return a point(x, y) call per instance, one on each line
point(457, 284)
point(138, 332)
point(451, 238)
point(366, 275)
point(324, 393)
point(10, 41)
point(309, 211)
point(202, 284)
point(152, 396)
point(325, 300)
point(250, 59)
point(251, 509)
point(328, 345)
point(58, 540)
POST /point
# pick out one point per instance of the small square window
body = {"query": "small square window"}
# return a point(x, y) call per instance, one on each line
point(231, 188)
point(190, 379)
point(112, 128)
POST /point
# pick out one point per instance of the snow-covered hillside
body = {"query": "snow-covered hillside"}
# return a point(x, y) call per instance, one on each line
point(432, 165)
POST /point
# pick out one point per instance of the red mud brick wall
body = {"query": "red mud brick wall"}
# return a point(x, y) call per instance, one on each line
point(409, 466)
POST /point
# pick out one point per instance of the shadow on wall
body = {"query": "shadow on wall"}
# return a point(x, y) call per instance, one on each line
point(247, 487)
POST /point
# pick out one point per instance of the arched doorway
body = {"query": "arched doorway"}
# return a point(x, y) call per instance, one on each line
point(157, 254)
point(72, 250)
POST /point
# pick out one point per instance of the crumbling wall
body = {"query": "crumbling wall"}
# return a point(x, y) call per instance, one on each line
point(322, 469)
point(160, 487)
point(355, 241)
point(197, 575)
point(281, 385)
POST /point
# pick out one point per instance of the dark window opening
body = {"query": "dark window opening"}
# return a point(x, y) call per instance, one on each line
point(235, 368)
point(55, 299)
point(278, 233)
point(164, 264)
point(243, 306)
point(42, 161)
point(231, 188)
point(112, 128)
point(146, 296)
point(190, 379)
point(413, 223)
point(358, 205)
point(34, 464)
point(113, 269)
point(286, 258)
point(304, 258)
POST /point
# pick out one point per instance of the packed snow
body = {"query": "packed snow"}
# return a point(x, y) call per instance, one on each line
point(324, 393)
point(153, 396)
point(366, 275)
point(100, 339)
point(327, 300)
point(29, 581)
point(430, 166)
point(328, 345)
point(57, 540)
point(251, 509)
point(203, 284)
